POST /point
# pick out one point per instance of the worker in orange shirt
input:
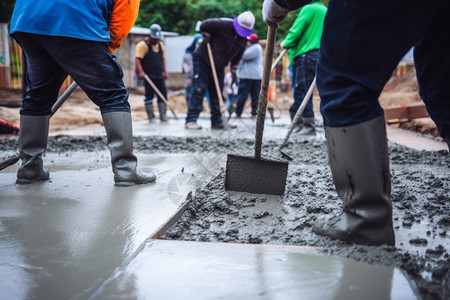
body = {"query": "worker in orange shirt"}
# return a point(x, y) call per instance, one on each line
point(78, 41)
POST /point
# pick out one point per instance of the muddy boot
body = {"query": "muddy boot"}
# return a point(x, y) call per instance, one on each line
point(120, 142)
point(33, 136)
point(162, 111)
point(299, 126)
point(309, 128)
point(150, 112)
point(359, 162)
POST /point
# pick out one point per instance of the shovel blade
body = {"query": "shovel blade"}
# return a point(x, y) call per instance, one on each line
point(258, 176)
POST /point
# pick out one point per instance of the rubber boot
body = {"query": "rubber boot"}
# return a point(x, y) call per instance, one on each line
point(150, 112)
point(162, 111)
point(33, 137)
point(359, 162)
point(309, 128)
point(299, 126)
point(120, 142)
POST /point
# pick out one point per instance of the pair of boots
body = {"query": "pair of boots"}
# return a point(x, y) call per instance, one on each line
point(151, 113)
point(305, 126)
point(359, 162)
point(33, 136)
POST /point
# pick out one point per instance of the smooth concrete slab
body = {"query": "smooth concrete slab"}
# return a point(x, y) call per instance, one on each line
point(61, 239)
point(164, 269)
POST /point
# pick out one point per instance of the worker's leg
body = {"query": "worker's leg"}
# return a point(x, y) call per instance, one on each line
point(432, 63)
point(199, 87)
point(243, 92)
point(43, 80)
point(98, 73)
point(216, 115)
point(254, 93)
point(372, 39)
point(162, 107)
point(148, 101)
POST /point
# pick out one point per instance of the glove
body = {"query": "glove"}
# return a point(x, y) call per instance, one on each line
point(273, 13)
point(206, 37)
point(234, 78)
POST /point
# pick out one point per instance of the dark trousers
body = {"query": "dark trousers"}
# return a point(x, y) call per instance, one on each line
point(91, 64)
point(246, 87)
point(203, 81)
point(363, 42)
point(305, 70)
point(150, 92)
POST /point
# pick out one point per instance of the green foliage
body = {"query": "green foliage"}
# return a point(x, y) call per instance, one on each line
point(181, 16)
point(6, 9)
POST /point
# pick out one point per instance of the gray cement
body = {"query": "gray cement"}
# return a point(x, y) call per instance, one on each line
point(61, 239)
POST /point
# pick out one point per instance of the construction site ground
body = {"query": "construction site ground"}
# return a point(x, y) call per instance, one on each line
point(77, 236)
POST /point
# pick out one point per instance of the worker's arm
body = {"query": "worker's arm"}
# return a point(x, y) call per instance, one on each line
point(123, 17)
point(140, 51)
point(139, 68)
point(164, 60)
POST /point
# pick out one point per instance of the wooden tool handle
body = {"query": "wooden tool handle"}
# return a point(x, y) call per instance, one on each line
point(263, 95)
point(213, 70)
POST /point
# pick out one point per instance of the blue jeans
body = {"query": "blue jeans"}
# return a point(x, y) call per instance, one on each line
point(204, 82)
point(305, 70)
point(246, 87)
point(91, 64)
point(150, 92)
point(363, 42)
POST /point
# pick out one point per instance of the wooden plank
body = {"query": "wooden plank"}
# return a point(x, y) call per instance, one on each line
point(405, 113)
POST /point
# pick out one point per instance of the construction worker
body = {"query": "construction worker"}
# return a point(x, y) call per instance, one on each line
point(302, 42)
point(362, 43)
point(250, 75)
point(227, 39)
point(78, 41)
point(150, 59)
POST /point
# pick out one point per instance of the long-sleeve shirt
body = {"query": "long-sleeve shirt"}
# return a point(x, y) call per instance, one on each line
point(226, 45)
point(251, 65)
point(306, 32)
point(101, 20)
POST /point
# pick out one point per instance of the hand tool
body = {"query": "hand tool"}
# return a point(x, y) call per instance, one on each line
point(257, 174)
point(295, 120)
point(10, 160)
point(160, 94)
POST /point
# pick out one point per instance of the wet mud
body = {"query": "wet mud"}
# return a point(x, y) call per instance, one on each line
point(420, 198)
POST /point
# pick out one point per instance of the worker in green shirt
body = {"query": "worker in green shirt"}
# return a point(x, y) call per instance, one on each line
point(302, 42)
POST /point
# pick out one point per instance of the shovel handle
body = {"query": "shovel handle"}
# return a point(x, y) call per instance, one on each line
point(213, 70)
point(160, 94)
point(262, 103)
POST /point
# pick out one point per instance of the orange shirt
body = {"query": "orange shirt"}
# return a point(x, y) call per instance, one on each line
point(123, 17)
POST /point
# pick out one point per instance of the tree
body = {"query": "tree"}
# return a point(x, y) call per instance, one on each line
point(6, 9)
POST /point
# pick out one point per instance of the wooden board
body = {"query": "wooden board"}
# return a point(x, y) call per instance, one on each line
point(405, 113)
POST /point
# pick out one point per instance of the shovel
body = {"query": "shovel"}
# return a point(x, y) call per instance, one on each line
point(10, 160)
point(257, 174)
point(295, 120)
point(160, 95)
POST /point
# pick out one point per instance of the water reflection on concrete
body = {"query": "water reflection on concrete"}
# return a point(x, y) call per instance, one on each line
point(62, 238)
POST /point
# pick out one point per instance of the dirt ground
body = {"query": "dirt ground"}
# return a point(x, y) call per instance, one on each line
point(420, 190)
point(78, 110)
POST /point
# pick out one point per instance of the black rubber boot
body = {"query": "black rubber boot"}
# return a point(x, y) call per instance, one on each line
point(33, 137)
point(150, 112)
point(162, 111)
point(359, 162)
point(120, 141)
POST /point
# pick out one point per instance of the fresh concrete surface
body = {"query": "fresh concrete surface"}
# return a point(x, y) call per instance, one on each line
point(164, 269)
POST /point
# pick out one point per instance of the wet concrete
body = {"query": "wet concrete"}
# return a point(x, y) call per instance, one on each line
point(62, 239)
point(191, 270)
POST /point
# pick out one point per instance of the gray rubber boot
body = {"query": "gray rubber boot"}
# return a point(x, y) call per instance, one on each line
point(359, 161)
point(120, 141)
point(150, 112)
point(162, 111)
point(33, 137)
point(309, 128)
point(299, 125)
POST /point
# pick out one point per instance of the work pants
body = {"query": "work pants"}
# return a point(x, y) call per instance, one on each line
point(305, 71)
point(150, 92)
point(364, 40)
point(91, 64)
point(248, 87)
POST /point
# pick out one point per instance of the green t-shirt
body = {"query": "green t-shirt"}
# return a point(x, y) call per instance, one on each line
point(306, 32)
